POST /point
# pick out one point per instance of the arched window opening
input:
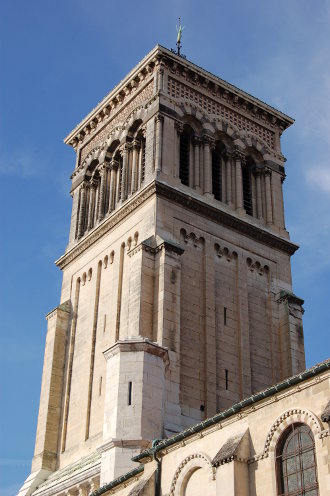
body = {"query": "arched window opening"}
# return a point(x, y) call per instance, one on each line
point(185, 144)
point(217, 155)
point(247, 188)
point(296, 462)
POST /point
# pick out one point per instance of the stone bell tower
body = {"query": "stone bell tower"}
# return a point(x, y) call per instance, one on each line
point(177, 299)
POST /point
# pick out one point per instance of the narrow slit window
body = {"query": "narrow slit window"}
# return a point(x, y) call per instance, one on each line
point(185, 140)
point(216, 174)
point(226, 378)
point(225, 315)
point(247, 193)
point(129, 394)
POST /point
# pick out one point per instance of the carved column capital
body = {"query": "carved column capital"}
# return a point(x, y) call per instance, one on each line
point(83, 186)
point(197, 141)
point(103, 167)
point(267, 171)
point(92, 183)
point(159, 118)
point(239, 155)
point(136, 144)
point(114, 165)
point(144, 131)
point(179, 127)
point(208, 140)
point(124, 149)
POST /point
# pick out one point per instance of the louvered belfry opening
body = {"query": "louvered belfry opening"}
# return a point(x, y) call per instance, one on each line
point(247, 189)
point(217, 154)
point(185, 144)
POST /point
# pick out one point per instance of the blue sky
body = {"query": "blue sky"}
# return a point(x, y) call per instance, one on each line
point(58, 60)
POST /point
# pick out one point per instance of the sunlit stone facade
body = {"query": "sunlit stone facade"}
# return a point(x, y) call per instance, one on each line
point(177, 297)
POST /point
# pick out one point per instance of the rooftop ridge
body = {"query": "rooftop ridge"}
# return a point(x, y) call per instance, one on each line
point(250, 400)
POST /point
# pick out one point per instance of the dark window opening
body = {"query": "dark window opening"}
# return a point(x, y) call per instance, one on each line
point(185, 157)
point(296, 462)
point(247, 193)
point(225, 315)
point(226, 378)
point(217, 174)
point(129, 395)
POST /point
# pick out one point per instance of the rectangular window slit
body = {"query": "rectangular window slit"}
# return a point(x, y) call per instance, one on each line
point(225, 315)
point(226, 377)
point(105, 323)
point(129, 396)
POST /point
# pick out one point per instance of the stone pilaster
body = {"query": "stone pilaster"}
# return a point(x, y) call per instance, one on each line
point(196, 145)
point(46, 447)
point(101, 202)
point(112, 190)
point(258, 174)
point(269, 207)
point(82, 211)
point(159, 119)
point(124, 153)
point(239, 160)
point(135, 158)
point(91, 206)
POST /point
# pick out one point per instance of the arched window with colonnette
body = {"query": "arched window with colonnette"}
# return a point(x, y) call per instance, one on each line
point(296, 469)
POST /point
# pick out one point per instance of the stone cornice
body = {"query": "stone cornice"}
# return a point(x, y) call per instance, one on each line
point(106, 225)
point(230, 219)
point(56, 487)
point(137, 344)
point(158, 57)
point(228, 92)
point(223, 217)
point(105, 110)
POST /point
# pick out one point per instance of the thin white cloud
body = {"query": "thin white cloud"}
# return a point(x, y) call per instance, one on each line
point(21, 163)
point(319, 177)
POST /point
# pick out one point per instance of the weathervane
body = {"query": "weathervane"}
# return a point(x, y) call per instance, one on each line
point(178, 39)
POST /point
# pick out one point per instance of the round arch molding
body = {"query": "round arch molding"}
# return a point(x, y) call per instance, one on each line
point(186, 468)
point(295, 415)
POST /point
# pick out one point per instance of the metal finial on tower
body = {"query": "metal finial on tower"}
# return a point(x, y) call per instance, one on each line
point(179, 36)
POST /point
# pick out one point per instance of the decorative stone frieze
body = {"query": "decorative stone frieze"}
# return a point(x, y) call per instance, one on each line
point(257, 266)
point(225, 252)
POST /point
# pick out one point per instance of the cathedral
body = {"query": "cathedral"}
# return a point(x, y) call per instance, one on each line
point(174, 363)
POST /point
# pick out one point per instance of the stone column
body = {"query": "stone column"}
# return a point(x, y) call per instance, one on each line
point(159, 142)
point(91, 207)
point(258, 173)
point(228, 180)
point(136, 147)
point(103, 175)
point(239, 160)
point(124, 153)
point(82, 210)
point(196, 144)
point(178, 128)
point(207, 165)
point(113, 168)
point(269, 210)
